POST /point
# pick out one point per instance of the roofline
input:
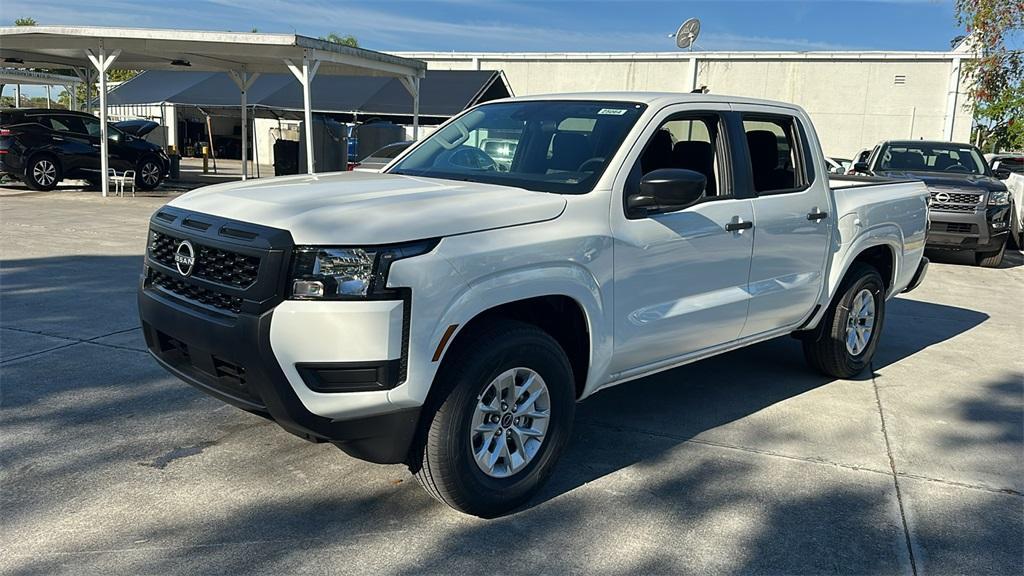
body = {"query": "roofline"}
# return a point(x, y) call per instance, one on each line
point(684, 56)
point(252, 38)
point(33, 77)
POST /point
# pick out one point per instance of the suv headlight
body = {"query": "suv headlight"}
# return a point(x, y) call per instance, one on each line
point(345, 273)
point(999, 198)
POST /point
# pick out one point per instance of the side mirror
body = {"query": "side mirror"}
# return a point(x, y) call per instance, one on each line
point(861, 167)
point(666, 190)
point(1001, 173)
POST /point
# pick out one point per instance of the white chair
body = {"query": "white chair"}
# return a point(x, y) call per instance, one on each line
point(127, 177)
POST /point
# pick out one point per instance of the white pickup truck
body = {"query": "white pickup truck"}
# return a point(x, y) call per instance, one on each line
point(449, 312)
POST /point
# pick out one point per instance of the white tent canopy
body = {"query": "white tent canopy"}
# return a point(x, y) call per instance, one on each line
point(95, 50)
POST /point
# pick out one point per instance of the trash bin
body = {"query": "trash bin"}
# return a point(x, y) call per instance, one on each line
point(175, 171)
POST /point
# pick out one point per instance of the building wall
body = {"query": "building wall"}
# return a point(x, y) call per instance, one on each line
point(853, 98)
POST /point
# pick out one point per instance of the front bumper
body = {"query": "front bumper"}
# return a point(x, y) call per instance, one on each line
point(321, 370)
point(983, 230)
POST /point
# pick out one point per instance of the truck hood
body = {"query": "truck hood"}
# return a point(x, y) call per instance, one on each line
point(371, 208)
point(980, 181)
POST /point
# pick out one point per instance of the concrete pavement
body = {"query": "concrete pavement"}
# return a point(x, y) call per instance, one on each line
point(745, 463)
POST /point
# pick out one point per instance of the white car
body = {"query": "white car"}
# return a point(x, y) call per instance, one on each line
point(448, 314)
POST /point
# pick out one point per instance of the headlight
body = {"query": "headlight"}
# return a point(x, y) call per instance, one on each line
point(328, 273)
point(999, 198)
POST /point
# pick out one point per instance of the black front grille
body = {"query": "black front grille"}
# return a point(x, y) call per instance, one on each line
point(195, 293)
point(213, 264)
point(949, 201)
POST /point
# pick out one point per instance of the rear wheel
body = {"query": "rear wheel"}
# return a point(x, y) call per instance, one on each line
point(493, 441)
point(148, 174)
point(43, 173)
point(851, 325)
point(990, 259)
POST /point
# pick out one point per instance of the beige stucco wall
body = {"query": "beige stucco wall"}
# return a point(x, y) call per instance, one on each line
point(854, 101)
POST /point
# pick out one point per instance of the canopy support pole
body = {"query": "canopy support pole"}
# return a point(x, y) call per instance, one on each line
point(244, 81)
point(412, 84)
point(305, 77)
point(102, 63)
point(83, 75)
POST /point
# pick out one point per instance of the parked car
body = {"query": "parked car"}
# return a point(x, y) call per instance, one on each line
point(860, 157)
point(1006, 163)
point(838, 165)
point(448, 315)
point(380, 158)
point(970, 208)
point(43, 146)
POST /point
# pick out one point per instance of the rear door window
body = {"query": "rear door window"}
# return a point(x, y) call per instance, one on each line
point(71, 124)
point(777, 160)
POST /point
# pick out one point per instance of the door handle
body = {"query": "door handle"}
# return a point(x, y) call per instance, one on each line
point(815, 216)
point(737, 226)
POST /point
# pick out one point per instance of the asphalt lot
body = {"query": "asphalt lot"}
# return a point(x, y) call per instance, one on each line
point(745, 463)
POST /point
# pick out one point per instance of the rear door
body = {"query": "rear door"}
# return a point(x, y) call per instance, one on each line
point(71, 137)
point(792, 218)
point(680, 277)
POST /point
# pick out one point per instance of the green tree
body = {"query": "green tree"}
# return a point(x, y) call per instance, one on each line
point(346, 40)
point(25, 22)
point(996, 73)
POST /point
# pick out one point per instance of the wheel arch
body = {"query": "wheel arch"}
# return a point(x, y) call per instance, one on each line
point(42, 152)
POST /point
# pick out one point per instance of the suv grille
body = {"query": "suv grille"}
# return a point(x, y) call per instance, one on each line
point(195, 293)
point(213, 264)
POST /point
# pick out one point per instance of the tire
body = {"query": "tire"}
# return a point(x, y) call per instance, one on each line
point(830, 353)
point(990, 259)
point(443, 457)
point(43, 173)
point(148, 174)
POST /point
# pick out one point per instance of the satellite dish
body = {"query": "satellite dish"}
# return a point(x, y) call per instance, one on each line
point(687, 34)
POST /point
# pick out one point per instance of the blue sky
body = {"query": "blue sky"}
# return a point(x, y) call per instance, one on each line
point(553, 25)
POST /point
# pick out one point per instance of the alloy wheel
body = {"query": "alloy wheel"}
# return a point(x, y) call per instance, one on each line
point(861, 323)
point(510, 422)
point(44, 173)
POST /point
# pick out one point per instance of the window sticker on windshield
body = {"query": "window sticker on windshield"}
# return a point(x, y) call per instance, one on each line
point(612, 111)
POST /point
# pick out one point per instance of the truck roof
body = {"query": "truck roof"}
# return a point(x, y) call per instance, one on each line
point(655, 98)
point(925, 143)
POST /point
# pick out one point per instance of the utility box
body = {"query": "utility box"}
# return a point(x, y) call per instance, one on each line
point(375, 135)
point(330, 145)
point(286, 157)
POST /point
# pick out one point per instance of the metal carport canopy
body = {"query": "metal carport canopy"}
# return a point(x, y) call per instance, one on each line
point(244, 56)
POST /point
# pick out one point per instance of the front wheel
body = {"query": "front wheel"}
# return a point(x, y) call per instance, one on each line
point(148, 174)
point(990, 259)
point(494, 439)
point(851, 325)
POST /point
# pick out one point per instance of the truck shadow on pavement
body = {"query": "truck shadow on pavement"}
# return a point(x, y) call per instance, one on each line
point(695, 400)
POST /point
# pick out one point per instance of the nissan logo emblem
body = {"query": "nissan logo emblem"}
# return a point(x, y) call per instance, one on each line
point(185, 258)
point(942, 197)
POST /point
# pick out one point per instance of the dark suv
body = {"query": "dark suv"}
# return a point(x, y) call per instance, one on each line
point(970, 209)
point(41, 147)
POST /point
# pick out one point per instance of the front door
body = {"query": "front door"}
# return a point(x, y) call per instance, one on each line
point(681, 277)
point(793, 220)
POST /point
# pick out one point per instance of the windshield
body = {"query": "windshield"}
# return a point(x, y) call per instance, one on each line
point(546, 146)
point(926, 157)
